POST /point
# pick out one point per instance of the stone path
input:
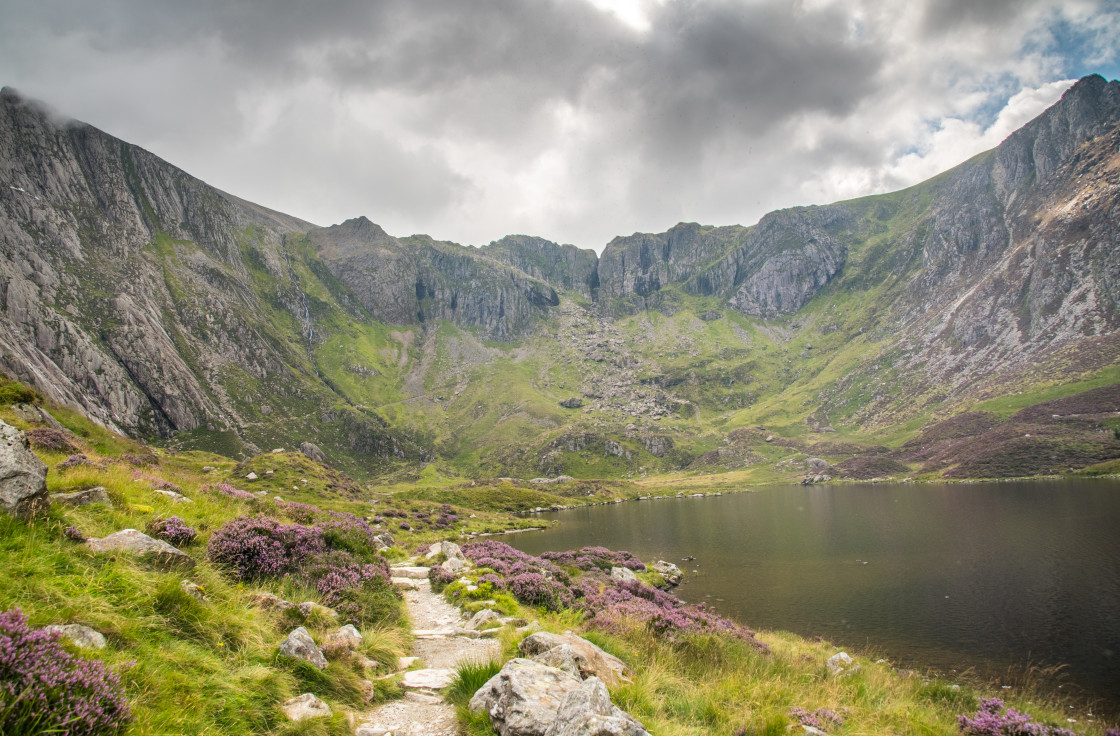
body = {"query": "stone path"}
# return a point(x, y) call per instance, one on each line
point(441, 644)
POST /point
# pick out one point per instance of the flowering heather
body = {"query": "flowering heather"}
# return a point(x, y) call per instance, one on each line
point(226, 489)
point(341, 580)
point(992, 720)
point(595, 558)
point(74, 461)
point(535, 589)
point(303, 513)
point(259, 546)
point(440, 578)
point(157, 482)
point(146, 458)
point(821, 718)
point(507, 561)
point(172, 530)
point(346, 531)
point(73, 532)
point(45, 689)
point(406, 526)
point(50, 439)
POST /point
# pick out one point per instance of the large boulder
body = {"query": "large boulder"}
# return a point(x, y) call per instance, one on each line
point(347, 637)
point(588, 711)
point(23, 476)
point(480, 619)
point(300, 645)
point(623, 574)
point(592, 660)
point(524, 697)
point(140, 544)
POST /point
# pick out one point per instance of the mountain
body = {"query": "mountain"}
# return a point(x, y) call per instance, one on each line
point(161, 306)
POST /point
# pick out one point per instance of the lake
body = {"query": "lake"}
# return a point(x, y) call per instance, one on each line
point(989, 576)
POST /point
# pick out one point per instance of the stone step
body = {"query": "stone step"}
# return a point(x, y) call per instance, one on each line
point(409, 583)
point(430, 679)
point(417, 573)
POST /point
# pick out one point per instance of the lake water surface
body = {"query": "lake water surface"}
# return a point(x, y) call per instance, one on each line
point(949, 576)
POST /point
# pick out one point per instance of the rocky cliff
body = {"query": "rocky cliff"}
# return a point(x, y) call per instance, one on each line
point(164, 307)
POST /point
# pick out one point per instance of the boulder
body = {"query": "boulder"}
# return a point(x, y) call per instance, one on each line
point(140, 544)
point(23, 476)
point(300, 645)
point(82, 636)
point(816, 464)
point(483, 617)
point(270, 601)
point(82, 498)
point(305, 706)
point(311, 450)
point(384, 541)
point(588, 711)
point(573, 403)
point(624, 574)
point(592, 660)
point(406, 571)
point(668, 571)
point(524, 697)
point(453, 564)
point(346, 637)
point(173, 496)
point(841, 664)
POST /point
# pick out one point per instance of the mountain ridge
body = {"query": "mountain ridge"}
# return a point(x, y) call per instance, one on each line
point(164, 307)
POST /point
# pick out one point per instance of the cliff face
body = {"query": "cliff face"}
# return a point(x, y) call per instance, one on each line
point(162, 306)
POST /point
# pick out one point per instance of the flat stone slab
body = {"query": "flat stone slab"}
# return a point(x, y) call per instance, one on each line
point(433, 633)
point(82, 498)
point(431, 679)
point(410, 583)
point(416, 573)
point(140, 544)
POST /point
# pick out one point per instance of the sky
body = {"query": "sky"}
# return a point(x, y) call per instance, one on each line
point(573, 120)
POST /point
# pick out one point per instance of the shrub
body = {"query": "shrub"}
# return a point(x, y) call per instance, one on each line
point(348, 532)
point(534, 589)
point(45, 689)
point(258, 546)
point(992, 720)
point(17, 393)
point(45, 438)
point(440, 578)
point(74, 533)
point(595, 558)
point(822, 719)
point(74, 461)
point(172, 530)
point(302, 513)
point(227, 490)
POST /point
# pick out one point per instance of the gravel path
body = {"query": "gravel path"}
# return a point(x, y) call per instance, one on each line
point(422, 711)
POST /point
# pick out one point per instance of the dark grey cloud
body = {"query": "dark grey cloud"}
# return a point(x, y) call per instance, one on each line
point(469, 120)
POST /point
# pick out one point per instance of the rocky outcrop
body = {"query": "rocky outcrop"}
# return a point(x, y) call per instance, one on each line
point(305, 706)
point(566, 267)
point(82, 498)
point(23, 476)
point(311, 450)
point(592, 660)
point(420, 280)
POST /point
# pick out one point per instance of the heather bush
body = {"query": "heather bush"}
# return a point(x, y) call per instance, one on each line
point(595, 558)
point(172, 530)
point(534, 589)
point(348, 532)
point(45, 438)
point(258, 546)
point(227, 490)
point(302, 513)
point(440, 578)
point(74, 461)
point(358, 592)
point(992, 720)
point(821, 718)
point(74, 533)
point(45, 689)
point(157, 482)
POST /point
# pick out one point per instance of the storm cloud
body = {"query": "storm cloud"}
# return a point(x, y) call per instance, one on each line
point(576, 120)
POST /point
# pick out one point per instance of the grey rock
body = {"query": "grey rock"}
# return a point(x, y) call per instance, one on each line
point(82, 636)
point(300, 645)
point(384, 541)
point(453, 564)
point(23, 476)
point(816, 464)
point(270, 602)
point(624, 574)
point(347, 637)
point(429, 679)
point(140, 544)
point(483, 617)
point(573, 403)
point(841, 664)
point(305, 706)
point(96, 494)
point(588, 711)
point(562, 657)
point(312, 451)
point(668, 571)
point(172, 496)
point(524, 697)
point(194, 590)
point(592, 660)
